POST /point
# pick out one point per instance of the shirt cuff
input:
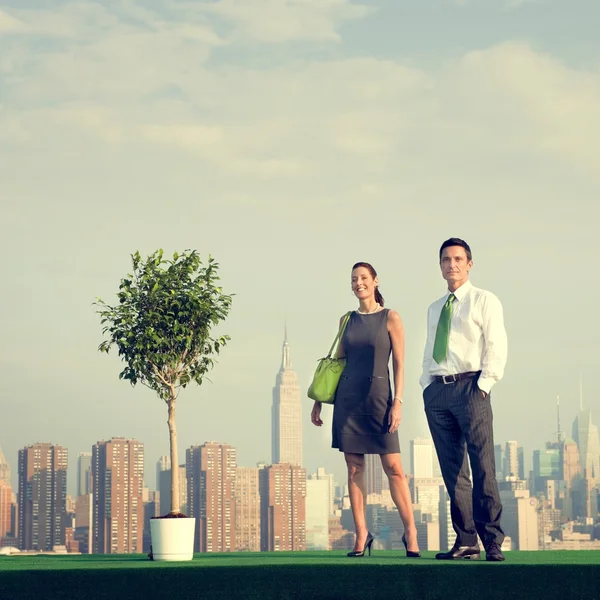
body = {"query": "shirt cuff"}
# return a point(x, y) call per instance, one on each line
point(485, 384)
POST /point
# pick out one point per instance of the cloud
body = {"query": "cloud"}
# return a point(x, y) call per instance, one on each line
point(525, 101)
point(503, 4)
point(87, 23)
point(518, 3)
point(277, 21)
point(149, 79)
point(102, 53)
point(129, 125)
point(9, 24)
point(70, 20)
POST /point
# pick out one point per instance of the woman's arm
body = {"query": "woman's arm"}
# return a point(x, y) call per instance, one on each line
point(396, 331)
point(315, 415)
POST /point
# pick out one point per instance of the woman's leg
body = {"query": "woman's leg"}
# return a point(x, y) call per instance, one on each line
point(357, 492)
point(392, 465)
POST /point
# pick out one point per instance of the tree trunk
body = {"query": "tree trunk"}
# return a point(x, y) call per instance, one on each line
point(174, 459)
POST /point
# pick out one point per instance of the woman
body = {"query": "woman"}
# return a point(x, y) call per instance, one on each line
point(366, 416)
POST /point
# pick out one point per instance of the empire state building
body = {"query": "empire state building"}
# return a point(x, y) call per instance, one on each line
point(286, 414)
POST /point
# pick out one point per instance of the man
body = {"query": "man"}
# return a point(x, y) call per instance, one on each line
point(465, 356)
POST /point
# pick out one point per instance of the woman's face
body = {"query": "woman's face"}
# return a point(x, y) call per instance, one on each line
point(363, 284)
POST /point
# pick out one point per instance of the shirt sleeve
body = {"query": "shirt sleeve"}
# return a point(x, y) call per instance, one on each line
point(426, 378)
point(495, 348)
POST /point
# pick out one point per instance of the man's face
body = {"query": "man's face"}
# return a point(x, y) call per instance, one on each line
point(455, 265)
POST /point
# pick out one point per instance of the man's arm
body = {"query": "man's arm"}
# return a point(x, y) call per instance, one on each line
point(495, 344)
point(426, 378)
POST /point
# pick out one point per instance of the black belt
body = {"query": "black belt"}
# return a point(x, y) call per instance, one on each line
point(453, 378)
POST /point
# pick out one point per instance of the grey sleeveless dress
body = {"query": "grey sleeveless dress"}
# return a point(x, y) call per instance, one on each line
point(364, 397)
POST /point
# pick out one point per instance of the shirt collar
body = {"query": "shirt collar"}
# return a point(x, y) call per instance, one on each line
point(462, 291)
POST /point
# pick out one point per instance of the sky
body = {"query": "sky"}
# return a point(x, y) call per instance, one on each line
point(290, 139)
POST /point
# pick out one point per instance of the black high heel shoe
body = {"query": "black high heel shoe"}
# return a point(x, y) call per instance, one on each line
point(409, 553)
point(367, 546)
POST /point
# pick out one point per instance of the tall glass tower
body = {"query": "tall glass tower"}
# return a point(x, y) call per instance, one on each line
point(585, 435)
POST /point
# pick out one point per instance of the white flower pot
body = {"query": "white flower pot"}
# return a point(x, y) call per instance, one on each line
point(172, 539)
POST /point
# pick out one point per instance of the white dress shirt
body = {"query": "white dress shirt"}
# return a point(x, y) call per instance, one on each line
point(477, 340)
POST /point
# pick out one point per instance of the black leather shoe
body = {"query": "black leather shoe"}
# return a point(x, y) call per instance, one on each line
point(494, 553)
point(460, 553)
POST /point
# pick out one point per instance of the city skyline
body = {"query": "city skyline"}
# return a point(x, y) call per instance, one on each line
point(289, 146)
point(512, 460)
point(74, 474)
point(277, 507)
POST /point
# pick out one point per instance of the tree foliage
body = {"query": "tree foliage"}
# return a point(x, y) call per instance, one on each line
point(162, 323)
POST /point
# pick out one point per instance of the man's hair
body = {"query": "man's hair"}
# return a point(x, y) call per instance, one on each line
point(456, 242)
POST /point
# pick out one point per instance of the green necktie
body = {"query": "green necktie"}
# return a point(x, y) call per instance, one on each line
point(440, 346)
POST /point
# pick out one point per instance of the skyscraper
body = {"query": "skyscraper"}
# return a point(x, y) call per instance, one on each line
point(511, 459)
point(317, 514)
point(83, 521)
point(447, 534)
point(560, 436)
point(162, 464)
point(5, 497)
point(118, 505)
point(164, 488)
point(569, 459)
point(151, 510)
point(569, 477)
point(499, 460)
point(247, 510)
point(374, 475)
point(426, 493)
point(84, 473)
point(286, 413)
point(428, 533)
point(211, 471)
point(282, 508)
point(546, 467)
point(4, 468)
point(421, 458)
point(42, 496)
point(5, 509)
point(585, 434)
point(520, 518)
point(321, 474)
point(424, 487)
point(520, 463)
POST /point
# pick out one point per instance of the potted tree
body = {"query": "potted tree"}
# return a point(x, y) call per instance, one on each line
point(161, 328)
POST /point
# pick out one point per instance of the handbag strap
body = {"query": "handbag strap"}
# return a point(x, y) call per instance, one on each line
point(340, 333)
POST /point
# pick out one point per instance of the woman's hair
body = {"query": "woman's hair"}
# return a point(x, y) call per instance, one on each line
point(369, 267)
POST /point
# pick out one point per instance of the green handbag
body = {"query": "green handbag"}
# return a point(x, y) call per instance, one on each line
point(329, 370)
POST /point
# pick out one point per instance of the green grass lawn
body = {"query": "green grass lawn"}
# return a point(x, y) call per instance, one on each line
point(292, 576)
point(275, 559)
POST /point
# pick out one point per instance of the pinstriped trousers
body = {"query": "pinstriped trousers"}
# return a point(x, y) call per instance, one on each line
point(461, 424)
